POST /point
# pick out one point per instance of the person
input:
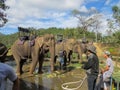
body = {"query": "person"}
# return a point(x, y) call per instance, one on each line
point(107, 71)
point(60, 59)
point(7, 72)
point(91, 67)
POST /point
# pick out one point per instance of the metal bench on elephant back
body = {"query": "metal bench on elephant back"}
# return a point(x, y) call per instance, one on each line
point(26, 34)
point(59, 38)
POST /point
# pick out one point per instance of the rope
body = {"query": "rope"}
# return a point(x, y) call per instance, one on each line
point(66, 84)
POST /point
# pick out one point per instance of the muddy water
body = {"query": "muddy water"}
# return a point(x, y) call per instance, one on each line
point(51, 81)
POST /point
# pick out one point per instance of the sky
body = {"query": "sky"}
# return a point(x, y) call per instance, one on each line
point(52, 13)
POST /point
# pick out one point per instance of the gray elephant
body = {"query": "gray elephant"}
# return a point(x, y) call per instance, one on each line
point(3, 52)
point(36, 52)
point(70, 46)
point(80, 48)
point(66, 46)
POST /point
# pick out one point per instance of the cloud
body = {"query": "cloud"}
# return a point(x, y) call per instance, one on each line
point(29, 13)
point(107, 2)
point(118, 4)
point(38, 8)
point(83, 9)
point(48, 13)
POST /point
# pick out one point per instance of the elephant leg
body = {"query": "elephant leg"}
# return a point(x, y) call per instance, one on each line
point(65, 60)
point(60, 65)
point(40, 65)
point(18, 68)
point(69, 59)
point(35, 58)
point(55, 59)
point(17, 59)
point(21, 65)
point(33, 65)
point(69, 56)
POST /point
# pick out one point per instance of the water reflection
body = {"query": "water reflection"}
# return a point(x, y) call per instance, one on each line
point(49, 81)
point(32, 84)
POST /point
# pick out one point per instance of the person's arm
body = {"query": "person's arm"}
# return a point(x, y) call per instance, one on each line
point(13, 77)
point(89, 64)
point(105, 69)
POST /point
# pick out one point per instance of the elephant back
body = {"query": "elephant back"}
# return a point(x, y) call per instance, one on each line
point(21, 49)
point(65, 45)
point(70, 43)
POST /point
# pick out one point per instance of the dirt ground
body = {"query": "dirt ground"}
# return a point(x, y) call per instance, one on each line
point(55, 80)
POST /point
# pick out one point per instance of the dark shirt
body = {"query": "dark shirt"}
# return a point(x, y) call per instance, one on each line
point(92, 65)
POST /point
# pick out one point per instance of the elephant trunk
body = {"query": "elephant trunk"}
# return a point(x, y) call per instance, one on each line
point(52, 52)
point(33, 65)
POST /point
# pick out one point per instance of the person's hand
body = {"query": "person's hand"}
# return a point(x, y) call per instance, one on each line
point(102, 70)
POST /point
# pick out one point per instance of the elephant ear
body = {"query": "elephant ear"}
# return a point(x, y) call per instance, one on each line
point(48, 38)
point(39, 41)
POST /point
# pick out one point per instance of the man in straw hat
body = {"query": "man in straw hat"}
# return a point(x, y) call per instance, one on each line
point(91, 67)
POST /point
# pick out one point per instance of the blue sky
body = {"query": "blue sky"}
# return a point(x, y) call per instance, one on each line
point(52, 13)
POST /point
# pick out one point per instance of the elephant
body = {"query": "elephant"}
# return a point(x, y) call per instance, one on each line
point(65, 45)
point(80, 48)
point(3, 52)
point(42, 44)
point(70, 46)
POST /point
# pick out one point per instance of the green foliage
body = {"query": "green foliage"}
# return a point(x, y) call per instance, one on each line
point(117, 36)
point(115, 10)
point(8, 39)
point(76, 33)
point(3, 8)
point(116, 13)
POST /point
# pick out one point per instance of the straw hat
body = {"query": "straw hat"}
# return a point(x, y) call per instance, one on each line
point(92, 48)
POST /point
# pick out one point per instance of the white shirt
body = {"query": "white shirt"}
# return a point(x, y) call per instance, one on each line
point(108, 73)
point(109, 63)
point(6, 72)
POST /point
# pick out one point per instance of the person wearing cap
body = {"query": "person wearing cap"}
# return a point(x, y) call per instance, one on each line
point(91, 67)
point(108, 70)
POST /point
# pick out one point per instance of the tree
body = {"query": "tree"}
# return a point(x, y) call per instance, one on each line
point(3, 8)
point(87, 19)
point(116, 13)
point(96, 24)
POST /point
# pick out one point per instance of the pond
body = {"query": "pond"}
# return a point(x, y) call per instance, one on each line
point(58, 80)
